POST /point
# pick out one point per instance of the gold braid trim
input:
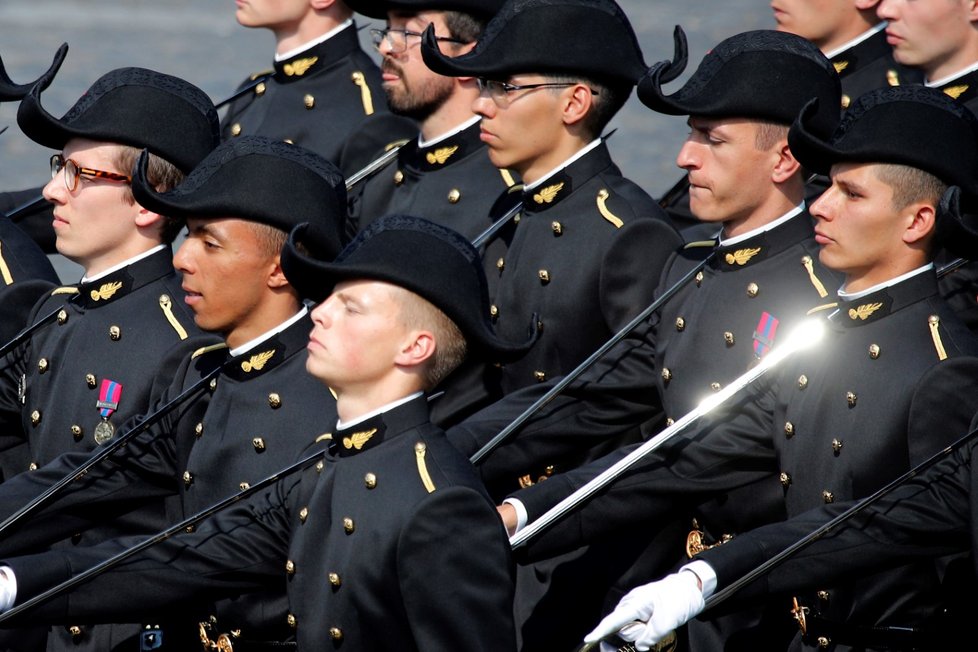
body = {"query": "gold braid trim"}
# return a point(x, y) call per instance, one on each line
point(166, 305)
point(935, 322)
point(603, 209)
point(419, 453)
point(365, 96)
point(5, 270)
point(810, 267)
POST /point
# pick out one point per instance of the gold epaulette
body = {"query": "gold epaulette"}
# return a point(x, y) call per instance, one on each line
point(207, 349)
point(824, 306)
point(397, 143)
point(419, 452)
point(8, 278)
point(263, 73)
point(508, 178)
point(166, 305)
point(934, 323)
point(326, 436)
point(695, 244)
point(64, 290)
point(603, 209)
point(366, 97)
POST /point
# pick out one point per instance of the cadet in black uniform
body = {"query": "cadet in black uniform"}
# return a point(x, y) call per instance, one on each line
point(234, 433)
point(852, 37)
point(389, 542)
point(940, 39)
point(757, 284)
point(20, 258)
point(323, 86)
point(90, 368)
point(444, 173)
point(586, 249)
point(833, 423)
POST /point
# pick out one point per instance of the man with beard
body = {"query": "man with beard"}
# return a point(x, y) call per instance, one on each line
point(443, 173)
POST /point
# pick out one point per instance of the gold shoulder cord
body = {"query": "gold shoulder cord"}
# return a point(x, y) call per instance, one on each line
point(365, 96)
point(934, 322)
point(603, 209)
point(822, 308)
point(810, 267)
point(419, 453)
point(5, 270)
point(64, 290)
point(507, 177)
point(167, 306)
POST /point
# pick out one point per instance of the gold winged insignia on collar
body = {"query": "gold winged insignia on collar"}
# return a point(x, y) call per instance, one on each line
point(864, 311)
point(106, 292)
point(299, 67)
point(257, 362)
point(742, 256)
point(441, 155)
point(548, 194)
point(840, 66)
point(358, 439)
point(955, 91)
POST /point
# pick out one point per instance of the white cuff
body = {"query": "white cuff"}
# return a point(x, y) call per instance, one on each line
point(521, 516)
point(708, 576)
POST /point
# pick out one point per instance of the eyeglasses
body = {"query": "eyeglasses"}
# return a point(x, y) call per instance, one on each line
point(499, 91)
point(397, 39)
point(73, 171)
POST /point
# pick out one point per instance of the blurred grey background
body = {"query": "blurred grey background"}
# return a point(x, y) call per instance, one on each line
point(201, 41)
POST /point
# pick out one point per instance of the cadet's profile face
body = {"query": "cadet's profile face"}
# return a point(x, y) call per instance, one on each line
point(820, 21)
point(521, 135)
point(94, 224)
point(226, 267)
point(729, 177)
point(271, 14)
point(412, 89)
point(931, 34)
point(857, 227)
point(357, 334)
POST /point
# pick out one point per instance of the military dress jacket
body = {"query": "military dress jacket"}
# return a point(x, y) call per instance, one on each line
point(710, 332)
point(389, 543)
point(834, 424)
point(103, 343)
point(451, 182)
point(317, 99)
point(869, 65)
point(242, 420)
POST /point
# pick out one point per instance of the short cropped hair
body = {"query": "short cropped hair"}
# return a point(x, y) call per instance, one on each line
point(608, 98)
point(910, 184)
point(450, 345)
point(464, 27)
point(768, 134)
point(162, 174)
point(270, 239)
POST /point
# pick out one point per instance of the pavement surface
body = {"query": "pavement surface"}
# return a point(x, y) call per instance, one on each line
point(200, 41)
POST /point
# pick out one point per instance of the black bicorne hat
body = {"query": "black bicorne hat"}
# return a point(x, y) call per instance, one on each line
point(592, 38)
point(916, 126)
point(143, 108)
point(762, 74)
point(262, 180)
point(11, 92)
point(483, 9)
point(428, 259)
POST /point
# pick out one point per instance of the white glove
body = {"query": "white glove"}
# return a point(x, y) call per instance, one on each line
point(648, 613)
point(8, 588)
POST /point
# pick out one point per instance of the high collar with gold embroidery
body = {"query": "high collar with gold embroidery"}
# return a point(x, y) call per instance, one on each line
point(964, 89)
point(561, 184)
point(886, 301)
point(318, 57)
point(367, 434)
point(751, 251)
point(270, 353)
point(124, 281)
point(443, 153)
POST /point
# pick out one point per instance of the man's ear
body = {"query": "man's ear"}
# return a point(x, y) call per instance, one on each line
point(418, 348)
point(786, 165)
point(577, 103)
point(922, 223)
point(146, 218)
point(276, 277)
